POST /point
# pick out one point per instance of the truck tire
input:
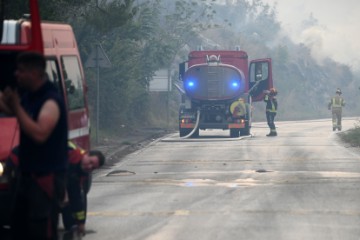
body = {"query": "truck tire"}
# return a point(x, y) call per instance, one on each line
point(184, 131)
point(234, 132)
point(245, 131)
point(195, 134)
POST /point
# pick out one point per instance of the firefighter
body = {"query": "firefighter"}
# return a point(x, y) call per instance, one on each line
point(81, 164)
point(42, 118)
point(271, 108)
point(335, 105)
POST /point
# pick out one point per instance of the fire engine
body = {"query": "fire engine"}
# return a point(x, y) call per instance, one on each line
point(64, 67)
point(219, 87)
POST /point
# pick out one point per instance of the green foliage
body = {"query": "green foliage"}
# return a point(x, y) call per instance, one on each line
point(109, 15)
point(15, 9)
point(142, 36)
point(352, 136)
point(55, 10)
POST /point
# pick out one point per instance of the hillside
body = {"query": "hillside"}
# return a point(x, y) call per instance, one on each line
point(143, 36)
point(305, 83)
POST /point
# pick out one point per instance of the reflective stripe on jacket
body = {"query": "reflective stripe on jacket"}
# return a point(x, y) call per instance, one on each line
point(336, 102)
point(271, 104)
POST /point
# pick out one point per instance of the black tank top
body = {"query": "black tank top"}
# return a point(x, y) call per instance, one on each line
point(50, 156)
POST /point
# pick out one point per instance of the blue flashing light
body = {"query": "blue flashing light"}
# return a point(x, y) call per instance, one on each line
point(191, 83)
point(235, 84)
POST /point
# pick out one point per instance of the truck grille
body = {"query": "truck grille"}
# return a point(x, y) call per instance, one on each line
point(214, 84)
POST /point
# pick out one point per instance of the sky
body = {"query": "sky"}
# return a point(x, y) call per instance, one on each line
point(337, 34)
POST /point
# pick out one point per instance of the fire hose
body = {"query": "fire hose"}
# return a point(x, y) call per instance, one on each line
point(196, 125)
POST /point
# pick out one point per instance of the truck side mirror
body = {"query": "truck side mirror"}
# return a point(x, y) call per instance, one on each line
point(182, 69)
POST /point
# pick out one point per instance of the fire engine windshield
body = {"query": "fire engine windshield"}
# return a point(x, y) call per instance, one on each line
point(213, 82)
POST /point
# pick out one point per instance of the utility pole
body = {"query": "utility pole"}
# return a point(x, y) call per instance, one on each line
point(98, 59)
point(97, 93)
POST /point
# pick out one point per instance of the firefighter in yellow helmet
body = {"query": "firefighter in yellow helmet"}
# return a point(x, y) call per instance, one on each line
point(335, 105)
point(271, 109)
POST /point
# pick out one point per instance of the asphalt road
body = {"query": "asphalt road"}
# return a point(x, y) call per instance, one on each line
point(303, 184)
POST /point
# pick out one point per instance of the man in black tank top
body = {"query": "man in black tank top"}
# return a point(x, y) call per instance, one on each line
point(42, 118)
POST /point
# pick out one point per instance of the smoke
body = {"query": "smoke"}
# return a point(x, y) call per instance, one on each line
point(328, 28)
point(313, 37)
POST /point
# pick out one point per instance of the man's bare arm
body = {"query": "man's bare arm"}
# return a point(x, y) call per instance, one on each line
point(40, 129)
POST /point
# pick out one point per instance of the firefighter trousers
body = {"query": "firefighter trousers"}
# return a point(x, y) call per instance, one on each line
point(270, 117)
point(36, 206)
point(336, 118)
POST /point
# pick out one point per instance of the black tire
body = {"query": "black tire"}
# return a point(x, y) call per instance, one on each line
point(195, 134)
point(234, 132)
point(184, 131)
point(245, 131)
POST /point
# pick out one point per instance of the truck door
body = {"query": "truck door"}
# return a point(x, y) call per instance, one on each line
point(260, 78)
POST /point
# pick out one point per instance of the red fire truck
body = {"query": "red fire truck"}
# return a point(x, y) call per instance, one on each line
point(219, 88)
point(57, 42)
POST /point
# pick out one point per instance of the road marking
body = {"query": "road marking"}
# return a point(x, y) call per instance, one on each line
point(203, 139)
point(183, 212)
point(243, 179)
point(180, 212)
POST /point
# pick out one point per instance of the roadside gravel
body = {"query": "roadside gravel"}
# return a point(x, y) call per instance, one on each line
point(115, 149)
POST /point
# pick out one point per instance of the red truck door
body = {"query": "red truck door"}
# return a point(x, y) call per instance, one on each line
point(260, 78)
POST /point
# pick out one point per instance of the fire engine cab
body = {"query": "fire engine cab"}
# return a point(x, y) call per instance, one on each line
point(57, 42)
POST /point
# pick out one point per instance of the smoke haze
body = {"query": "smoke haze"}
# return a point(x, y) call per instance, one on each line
point(334, 31)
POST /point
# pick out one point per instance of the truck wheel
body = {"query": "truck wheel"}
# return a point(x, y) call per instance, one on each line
point(234, 132)
point(195, 134)
point(245, 131)
point(183, 132)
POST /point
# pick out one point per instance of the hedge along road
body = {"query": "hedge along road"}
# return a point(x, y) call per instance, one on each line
point(302, 184)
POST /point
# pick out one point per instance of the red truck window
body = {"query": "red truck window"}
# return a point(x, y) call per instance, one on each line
point(73, 82)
